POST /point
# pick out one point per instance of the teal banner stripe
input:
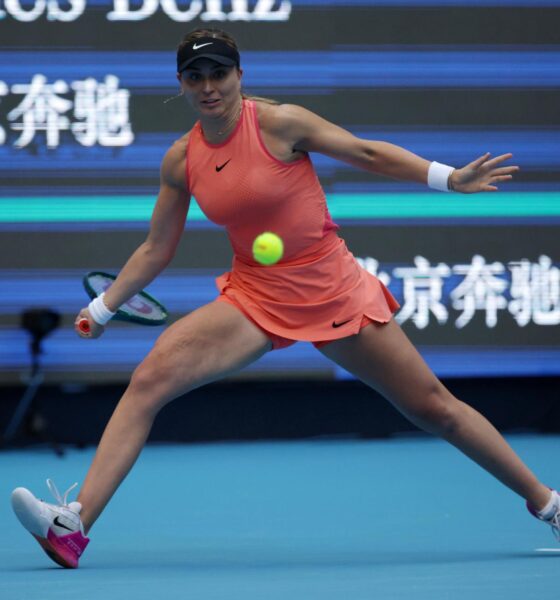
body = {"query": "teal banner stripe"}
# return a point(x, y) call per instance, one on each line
point(341, 206)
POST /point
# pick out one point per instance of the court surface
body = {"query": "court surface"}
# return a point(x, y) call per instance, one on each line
point(325, 519)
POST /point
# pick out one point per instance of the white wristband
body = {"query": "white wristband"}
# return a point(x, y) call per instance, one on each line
point(99, 311)
point(438, 176)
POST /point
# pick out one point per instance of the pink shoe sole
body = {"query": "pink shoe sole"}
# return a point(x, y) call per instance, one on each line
point(64, 550)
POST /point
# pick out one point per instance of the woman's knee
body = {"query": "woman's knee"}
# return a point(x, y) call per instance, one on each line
point(436, 411)
point(154, 383)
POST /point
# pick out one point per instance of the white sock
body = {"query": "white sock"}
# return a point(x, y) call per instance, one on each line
point(551, 507)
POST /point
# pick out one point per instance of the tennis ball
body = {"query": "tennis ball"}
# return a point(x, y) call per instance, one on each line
point(268, 248)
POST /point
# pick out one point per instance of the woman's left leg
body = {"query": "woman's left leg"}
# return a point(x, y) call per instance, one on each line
point(383, 357)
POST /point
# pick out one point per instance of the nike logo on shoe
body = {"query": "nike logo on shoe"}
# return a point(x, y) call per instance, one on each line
point(218, 169)
point(197, 46)
point(59, 524)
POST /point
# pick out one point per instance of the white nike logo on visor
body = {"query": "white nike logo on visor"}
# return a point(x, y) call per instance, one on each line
point(195, 47)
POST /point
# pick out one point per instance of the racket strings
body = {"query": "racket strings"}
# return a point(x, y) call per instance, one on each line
point(141, 308)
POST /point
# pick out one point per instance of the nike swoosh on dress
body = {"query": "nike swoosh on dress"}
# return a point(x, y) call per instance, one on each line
point(341, 324)
point(218, 169)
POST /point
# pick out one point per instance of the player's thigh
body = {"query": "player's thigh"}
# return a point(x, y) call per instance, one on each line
point(383, 357)
point(212, 342)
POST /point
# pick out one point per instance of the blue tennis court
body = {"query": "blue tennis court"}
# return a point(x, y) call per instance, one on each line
point(407, 517)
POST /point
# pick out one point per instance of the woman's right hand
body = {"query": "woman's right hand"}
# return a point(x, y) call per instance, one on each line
point(93, 329)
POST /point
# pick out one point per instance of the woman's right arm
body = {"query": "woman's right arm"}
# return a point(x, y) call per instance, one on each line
point(166, 228)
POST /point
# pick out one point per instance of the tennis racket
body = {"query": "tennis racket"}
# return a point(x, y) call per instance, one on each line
point(141, 308)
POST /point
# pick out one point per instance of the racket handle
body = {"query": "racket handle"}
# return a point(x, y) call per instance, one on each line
point(83, 325)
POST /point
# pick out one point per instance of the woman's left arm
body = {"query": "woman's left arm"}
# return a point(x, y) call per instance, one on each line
point(308, 132)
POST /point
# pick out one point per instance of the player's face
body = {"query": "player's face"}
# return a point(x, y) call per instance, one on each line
point(211, 88)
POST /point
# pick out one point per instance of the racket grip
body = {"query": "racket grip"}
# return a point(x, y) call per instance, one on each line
point(83, 325)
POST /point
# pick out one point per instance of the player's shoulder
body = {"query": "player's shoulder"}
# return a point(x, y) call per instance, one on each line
point(279, 118)
point(178, 150)
point(174, 161)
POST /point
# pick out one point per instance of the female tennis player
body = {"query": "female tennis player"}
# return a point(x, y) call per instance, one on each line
point(246, 161)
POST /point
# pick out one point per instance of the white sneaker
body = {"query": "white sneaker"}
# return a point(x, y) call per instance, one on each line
point(554, 519)
point(58, 528)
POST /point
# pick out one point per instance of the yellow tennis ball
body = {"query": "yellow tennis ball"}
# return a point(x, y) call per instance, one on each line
point(268, 248)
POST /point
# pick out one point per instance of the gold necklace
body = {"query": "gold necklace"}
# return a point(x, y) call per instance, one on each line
point(233, 122)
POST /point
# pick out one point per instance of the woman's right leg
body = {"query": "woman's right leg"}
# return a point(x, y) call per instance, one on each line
point(206, 345)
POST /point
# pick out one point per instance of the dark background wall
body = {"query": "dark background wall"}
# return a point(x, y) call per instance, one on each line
point(255, 410)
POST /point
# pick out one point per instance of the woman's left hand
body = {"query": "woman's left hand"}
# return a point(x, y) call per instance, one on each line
point(482, 174)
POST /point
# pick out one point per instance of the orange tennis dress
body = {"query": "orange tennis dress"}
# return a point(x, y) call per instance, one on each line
point(317, 292)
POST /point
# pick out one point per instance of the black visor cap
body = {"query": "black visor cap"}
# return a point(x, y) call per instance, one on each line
point(207, 47)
